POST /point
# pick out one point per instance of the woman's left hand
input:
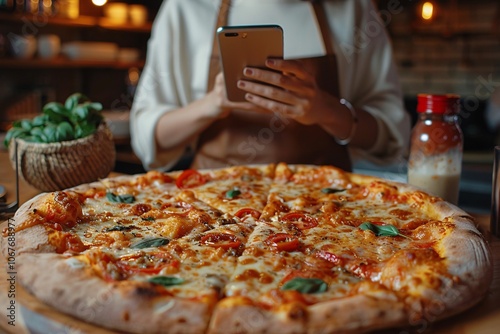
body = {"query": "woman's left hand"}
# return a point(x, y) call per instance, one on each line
point(287, 89)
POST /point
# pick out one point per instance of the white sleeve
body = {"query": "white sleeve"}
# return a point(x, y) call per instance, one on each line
point(175, 74)
point(154, 96)
point(369, 80)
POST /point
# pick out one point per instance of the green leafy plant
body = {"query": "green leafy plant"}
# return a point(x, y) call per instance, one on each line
point(77, 118)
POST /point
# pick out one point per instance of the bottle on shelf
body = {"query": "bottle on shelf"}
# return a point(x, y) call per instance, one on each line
point(435, 161)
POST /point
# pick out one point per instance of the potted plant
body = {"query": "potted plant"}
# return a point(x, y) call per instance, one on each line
point(66, 145)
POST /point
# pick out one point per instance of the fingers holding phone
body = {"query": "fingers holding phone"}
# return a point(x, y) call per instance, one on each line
point(287, 88)
point(222, 105)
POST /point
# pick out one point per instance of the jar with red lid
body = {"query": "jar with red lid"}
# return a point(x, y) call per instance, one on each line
point(435, 161)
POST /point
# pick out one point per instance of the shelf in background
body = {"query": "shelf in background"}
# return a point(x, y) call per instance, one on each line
point(80, 22)
point(61, 62)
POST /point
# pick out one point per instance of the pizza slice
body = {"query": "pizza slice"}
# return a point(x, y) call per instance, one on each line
point(231, 189)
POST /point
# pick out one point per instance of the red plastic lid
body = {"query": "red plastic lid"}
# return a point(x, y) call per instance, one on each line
point(438, 104)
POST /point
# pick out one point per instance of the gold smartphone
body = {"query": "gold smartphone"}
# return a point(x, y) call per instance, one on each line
point(242, 46)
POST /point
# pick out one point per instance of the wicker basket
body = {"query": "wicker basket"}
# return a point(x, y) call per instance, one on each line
point(57, 166)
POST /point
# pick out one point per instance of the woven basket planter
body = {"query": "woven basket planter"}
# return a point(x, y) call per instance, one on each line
point(57, 166)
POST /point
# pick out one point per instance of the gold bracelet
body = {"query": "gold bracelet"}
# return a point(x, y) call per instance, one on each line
point(354, 115)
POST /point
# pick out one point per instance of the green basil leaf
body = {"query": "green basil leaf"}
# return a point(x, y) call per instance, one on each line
point(382, 230)
point(369, 226)
point(37, 131)
point(388, 231)
point(54, 107)
point(73, 100)
point(112, 197)
point(233, 193)
point(56, 115)
point(84, 129)
point(331, 190)
point(14, 133)
point(119, 228)
point(153, 242)
point(37, 139)
point(80, 112)
point(40, 120)
point(306, 285)
point(50, 132)
point(166, 280)
point(96, 106)
point(26, 124)
point(64, 131)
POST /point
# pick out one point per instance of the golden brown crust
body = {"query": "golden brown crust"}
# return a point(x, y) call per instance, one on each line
point(236, 315)
point(31, 240)
point(358, 313)
point(75, 290)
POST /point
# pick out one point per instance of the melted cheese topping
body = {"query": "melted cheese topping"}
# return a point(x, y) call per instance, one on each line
point(304, 223)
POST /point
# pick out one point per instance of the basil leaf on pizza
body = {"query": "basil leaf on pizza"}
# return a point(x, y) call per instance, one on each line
point(148, 243)
point(306, 285)
point(112, 197)
point(382, 230)
point(166, 280)
point(119, 228)
point(233, 193)
point(331, 190)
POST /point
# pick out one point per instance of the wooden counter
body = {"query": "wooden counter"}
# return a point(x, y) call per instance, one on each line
point(482, 318)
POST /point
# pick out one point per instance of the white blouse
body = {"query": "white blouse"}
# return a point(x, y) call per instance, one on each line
point(176, 69)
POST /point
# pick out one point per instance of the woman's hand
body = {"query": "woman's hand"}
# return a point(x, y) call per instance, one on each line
point(221, 106)
point(292, 91)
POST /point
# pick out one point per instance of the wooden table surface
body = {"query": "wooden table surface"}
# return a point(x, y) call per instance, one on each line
point(482, 318)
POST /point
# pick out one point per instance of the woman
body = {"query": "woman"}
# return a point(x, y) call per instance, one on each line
point(334, 96)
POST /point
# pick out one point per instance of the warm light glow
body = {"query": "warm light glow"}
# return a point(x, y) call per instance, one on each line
point(427, 10)
point(99, 2)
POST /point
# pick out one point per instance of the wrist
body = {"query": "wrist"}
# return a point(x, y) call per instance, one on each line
point(354, 123)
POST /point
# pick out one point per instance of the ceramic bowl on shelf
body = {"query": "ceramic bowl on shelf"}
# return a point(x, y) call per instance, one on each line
point(23, 47)
point(128, 55)
point(97, 51)
point(49, 46)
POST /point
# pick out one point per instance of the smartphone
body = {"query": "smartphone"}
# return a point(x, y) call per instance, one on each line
point(242, 46)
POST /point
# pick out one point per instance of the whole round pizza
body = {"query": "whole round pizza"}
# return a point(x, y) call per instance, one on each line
point(249, 249)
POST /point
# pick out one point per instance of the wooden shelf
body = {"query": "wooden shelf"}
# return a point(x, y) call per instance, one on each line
point(61, 62)
point(80, 22)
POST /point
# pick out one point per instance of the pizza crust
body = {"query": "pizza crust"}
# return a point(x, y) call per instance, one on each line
point(358, 313)
point(469, 259)
point(237, 315)
point(75, 290)
point(31, 240)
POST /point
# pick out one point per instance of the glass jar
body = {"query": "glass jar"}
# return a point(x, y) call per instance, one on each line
point(435, 162)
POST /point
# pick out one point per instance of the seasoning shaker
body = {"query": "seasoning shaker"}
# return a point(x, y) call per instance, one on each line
point(436, 151)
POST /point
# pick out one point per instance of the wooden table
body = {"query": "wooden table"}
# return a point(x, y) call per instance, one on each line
point(482, 318)
point(7, 179)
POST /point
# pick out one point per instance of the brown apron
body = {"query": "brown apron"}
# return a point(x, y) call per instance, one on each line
point(252, 138)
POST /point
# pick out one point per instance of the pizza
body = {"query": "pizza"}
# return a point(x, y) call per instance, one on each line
point(272, 248)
